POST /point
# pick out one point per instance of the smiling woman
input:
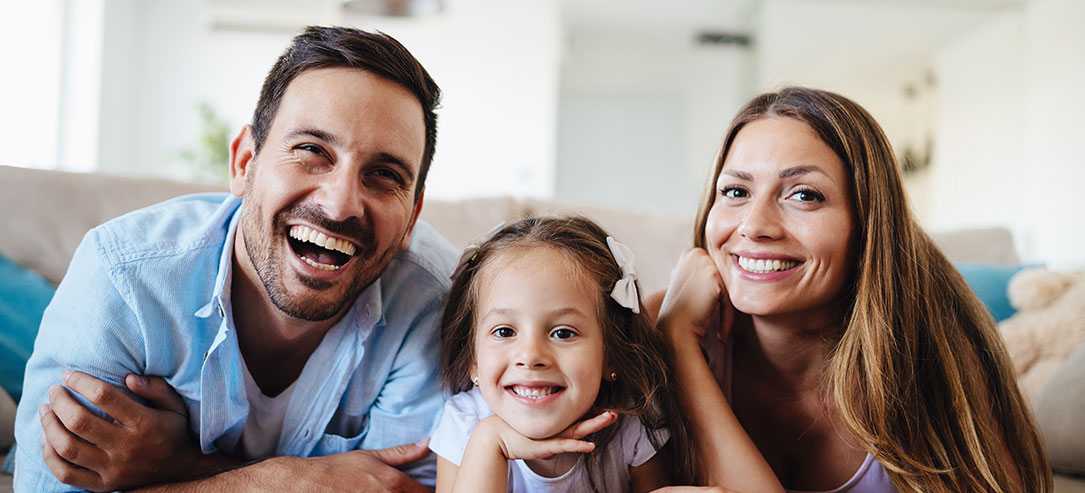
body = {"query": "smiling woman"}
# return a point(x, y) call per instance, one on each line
point(814, 304)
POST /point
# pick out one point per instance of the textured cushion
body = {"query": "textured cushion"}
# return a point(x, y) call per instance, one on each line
point(23, 296)
point(1059, 409)
point(989, 282)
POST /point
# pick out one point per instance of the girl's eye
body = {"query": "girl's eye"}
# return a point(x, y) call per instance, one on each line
point(806, 195)
point(563, 333)
point(503, 332)
point(733, 192)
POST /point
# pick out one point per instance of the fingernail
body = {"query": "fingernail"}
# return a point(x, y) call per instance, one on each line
point(64, 376)
point(42, 409)
point(423, 442)
point(52, 390)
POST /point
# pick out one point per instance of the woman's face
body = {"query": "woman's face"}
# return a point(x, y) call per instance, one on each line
point(780, 229)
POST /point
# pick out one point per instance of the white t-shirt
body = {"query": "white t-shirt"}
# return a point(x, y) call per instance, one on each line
point(264, 426)
point(629, 448)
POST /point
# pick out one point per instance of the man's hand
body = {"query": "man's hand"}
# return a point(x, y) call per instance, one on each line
point(142, 445)
point(357, 470)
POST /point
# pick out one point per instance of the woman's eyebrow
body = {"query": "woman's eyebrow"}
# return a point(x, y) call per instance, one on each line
point(801, 170)
point(741, 175)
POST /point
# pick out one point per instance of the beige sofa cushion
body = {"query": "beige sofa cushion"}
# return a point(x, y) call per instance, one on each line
point(48, 212)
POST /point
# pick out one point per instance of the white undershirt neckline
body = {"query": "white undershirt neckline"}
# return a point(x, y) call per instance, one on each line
point(264, 426)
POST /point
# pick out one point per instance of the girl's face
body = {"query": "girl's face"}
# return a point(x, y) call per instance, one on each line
point(780, 229)
point(538, 341)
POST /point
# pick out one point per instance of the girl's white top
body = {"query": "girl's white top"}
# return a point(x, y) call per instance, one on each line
point(629, 448)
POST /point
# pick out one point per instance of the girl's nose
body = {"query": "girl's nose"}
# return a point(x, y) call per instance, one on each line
point(532, 354)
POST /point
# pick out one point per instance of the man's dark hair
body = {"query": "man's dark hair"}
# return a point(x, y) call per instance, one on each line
point(377, 53)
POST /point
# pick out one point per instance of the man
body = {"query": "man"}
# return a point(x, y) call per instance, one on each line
point(295, 318)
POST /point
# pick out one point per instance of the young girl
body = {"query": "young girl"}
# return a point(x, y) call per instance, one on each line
point(556, 366)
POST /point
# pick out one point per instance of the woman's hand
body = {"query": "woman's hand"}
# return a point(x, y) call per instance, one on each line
point(514, 445)
point(695, 299)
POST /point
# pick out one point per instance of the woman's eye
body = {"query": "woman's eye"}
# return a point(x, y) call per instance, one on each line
point(503, 332)
point(806, 195)
point(733, 192)
point(563, 333)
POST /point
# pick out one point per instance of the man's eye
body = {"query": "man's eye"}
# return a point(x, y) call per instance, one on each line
point(503, 332)
point(310, 148)
point(733, 192)
point(806, 195)
point(563, 333)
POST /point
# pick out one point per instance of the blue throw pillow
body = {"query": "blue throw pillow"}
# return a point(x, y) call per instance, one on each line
point(23, 297)
point(989, 282)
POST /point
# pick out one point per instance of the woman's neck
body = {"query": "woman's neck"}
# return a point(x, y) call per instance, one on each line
point(790, 351)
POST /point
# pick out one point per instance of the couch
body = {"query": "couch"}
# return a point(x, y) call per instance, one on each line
point(47, 213)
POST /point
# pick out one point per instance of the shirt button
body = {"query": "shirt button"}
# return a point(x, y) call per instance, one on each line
point(222, 313)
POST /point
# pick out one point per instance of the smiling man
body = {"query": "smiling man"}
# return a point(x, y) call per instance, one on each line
point(295, 318)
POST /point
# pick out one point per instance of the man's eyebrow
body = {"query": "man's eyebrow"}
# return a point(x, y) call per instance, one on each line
point(313, 132)
point(398, 162)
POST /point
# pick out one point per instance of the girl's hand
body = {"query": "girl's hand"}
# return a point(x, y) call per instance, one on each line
point(514, 445)
point(695, 299)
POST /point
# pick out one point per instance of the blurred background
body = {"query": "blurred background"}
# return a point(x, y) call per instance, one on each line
point(620, 103)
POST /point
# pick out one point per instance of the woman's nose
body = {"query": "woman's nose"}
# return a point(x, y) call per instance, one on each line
point(761, 220)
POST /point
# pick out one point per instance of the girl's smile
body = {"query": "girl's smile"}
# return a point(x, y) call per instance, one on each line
point(538, 342)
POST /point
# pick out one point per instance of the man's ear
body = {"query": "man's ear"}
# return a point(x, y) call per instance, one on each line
point(242, 152)
point(414, 219)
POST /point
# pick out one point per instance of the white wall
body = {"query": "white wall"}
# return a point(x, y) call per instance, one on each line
point(642, 116)
point(496, 62)
point(1010, 132)
point(29, 110)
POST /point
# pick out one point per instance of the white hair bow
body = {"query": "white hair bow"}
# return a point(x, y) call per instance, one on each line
point(625, 290)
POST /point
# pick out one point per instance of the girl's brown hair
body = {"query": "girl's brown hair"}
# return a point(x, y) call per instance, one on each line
point(631, 344)
point(920, 374)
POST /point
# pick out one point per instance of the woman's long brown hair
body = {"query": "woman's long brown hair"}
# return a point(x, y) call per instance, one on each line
point(920, 374)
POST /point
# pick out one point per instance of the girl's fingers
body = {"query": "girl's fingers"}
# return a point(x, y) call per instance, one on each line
point(588, 426)
point(542, 449)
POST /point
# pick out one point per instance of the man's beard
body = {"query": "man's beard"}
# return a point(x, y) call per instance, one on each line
point(266, 259)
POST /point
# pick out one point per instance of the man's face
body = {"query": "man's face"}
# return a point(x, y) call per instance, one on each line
point(329, 198)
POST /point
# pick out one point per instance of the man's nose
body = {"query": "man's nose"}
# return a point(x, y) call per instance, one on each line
point(761, 220)
point(340, 195)
point(531, 353)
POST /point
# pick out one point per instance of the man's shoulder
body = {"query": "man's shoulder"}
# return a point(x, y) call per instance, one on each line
point(176, 226)
point(429, 259)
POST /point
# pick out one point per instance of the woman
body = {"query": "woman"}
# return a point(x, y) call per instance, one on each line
point(816, 311)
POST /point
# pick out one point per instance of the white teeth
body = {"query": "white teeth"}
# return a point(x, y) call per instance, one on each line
point(319, 265)
point(533, 392)
point(306, 234)
point(762, 266)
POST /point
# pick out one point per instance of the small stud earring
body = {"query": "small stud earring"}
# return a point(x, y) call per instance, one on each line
point(613, 376)
point(475, 381)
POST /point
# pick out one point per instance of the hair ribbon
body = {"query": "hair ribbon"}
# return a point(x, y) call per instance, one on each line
point(625, 290)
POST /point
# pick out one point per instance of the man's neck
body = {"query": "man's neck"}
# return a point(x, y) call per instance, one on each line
point(275, 345)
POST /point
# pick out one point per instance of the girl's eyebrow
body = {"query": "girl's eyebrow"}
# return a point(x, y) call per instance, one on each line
point(552, 313)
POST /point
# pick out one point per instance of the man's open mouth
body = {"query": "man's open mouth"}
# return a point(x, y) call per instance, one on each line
point(318, 249)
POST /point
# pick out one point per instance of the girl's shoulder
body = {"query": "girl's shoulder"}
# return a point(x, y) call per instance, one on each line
point(461, 413)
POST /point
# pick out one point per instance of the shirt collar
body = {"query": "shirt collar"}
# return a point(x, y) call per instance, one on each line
point(220, 295)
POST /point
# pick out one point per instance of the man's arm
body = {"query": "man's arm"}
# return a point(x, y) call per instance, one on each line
point(87, 326)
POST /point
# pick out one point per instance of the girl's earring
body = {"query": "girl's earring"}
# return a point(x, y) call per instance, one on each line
point(613, 376)
point(475, 381)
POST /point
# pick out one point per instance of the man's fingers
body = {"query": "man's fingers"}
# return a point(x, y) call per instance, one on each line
point(586, 427)
point(157, 392)
point(67, 472)
point(402, 454)
point(76, 418)
point(66, 445)
point(108, 398)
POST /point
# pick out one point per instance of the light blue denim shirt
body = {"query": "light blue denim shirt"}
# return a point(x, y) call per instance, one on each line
point(148, 293)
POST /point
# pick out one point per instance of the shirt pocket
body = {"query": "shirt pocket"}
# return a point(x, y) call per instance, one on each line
point(344, 433)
